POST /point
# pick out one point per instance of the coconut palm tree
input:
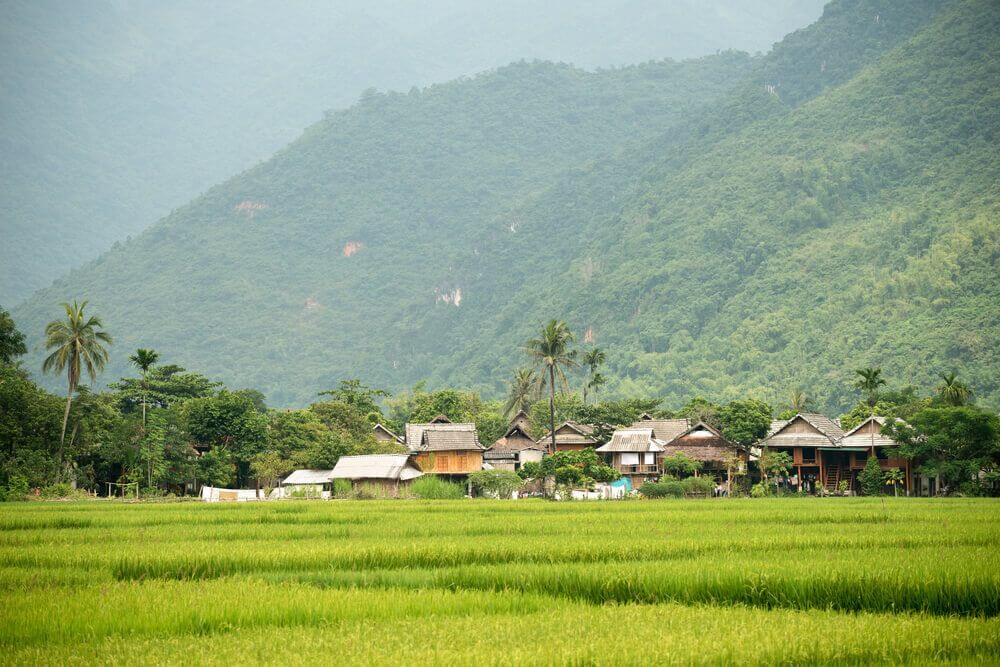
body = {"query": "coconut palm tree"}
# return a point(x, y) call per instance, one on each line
point(799, 401)
point(953, 391)
point(77, 343)
point(553, 357)
point(869, 381)
point(522, 391)
point(144, 359)
point(593, 359)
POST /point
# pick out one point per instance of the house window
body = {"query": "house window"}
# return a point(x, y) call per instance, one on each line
point(808, 454)
point(649, 458)
point(630, 459)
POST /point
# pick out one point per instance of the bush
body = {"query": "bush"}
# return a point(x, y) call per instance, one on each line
point(432, 487)
point(17, 489)
point(665, 488)
point(871, 478)
point(698, 486)
point(760, 490)
point(496, 483)
point(58, 490)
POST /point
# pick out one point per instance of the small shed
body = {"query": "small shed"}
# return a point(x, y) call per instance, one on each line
point(389, 471)
point(308, 483)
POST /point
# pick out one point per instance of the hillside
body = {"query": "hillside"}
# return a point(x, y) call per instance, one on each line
point(722, 225)
point(114, 113)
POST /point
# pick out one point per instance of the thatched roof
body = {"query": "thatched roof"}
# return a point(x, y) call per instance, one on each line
point(378, 466)
point(382, 433)
point(440, 437)
point(632, 440)
point(571, 433)
point(663, 429)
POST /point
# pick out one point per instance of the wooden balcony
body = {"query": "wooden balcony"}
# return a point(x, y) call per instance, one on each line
point(638, 469)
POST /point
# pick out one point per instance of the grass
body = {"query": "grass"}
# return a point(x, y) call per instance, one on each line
point(719, 581)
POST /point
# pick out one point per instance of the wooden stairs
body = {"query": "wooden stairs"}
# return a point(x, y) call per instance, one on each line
point(833, 474)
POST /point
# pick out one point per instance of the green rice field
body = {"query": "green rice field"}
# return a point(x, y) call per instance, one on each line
point(781, 581)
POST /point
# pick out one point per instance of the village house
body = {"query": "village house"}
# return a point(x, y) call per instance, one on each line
point(811, 441)
point(389, 472)
point(706, 445)
point(444, 448)
point(515, 447)
point(866, 438)
point(311, 483)
point(634, 452)
point(570, 437)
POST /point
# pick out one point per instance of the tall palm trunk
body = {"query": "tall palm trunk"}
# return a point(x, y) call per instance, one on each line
point(552, 407)
point(69, 402)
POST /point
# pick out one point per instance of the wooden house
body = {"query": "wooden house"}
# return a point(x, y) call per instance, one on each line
point(570, 437)
point(866, 440)
point(515, 447)
point(635, 453)
point(705, 444)
point(813, 442)
point(391, 472)
point(443, 448)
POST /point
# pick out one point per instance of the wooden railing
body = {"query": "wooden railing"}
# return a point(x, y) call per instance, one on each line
point(642, 468)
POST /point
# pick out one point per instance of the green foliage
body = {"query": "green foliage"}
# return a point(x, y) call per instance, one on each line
point(432, 487)
point(215, 468)
point(773, 463)
point(956, 443)
point(681, 465)
point(268, 467)
point(744, 422)
point(360, 397)
point(698, 486)
point(570, 469)
point(665, 488)
point(164, 386)
point(11, 340)
point(496, 483)
point(871, 479)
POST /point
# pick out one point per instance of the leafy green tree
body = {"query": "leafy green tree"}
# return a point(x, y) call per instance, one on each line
point(268, 467)
point(144, 359)
point(744, 422)
point(522, 391)
point(229, 421)
point(799, 402)
point(607, 416)
point(361, 397)
point(681, 465)
point(78, 344)
point(699, 409)
point(773, 463)
point(593, 359)
point(953, 391)
point(552, 356)
point(11, 340)
point(570, 469)
point(871, 478)
point(215, 468)
point(955, 443)
point(29, 424)
point(162, 387)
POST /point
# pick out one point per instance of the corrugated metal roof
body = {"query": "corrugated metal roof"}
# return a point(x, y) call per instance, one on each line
point(632, 440)
point(308, 477)
point(376, 466)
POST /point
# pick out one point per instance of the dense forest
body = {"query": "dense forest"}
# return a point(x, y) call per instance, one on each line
point(728, 226)
point(114, 113)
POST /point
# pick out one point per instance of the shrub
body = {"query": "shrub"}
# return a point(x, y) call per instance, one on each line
point(58, 490)
point(871, 478)
point(342, 488)
point(17, 488)
point(496, 483)
point(432, 487)
point(698, 486)
point(760, 490)
point(665, 488)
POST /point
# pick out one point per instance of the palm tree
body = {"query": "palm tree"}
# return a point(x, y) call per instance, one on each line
point(144, 359)
point(552, 357)
point(799, 401)
point(522, 392)
point(78, 346)
point(593, 360)
point(953, 391)
point(868, 382)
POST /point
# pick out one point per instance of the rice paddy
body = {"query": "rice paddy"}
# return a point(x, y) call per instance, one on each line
point(846, 580)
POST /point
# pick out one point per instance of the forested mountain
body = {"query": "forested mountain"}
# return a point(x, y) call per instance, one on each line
point(112, 113)
point(725, 225)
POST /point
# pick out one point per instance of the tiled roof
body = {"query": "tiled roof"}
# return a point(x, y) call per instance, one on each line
point(664, 429)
